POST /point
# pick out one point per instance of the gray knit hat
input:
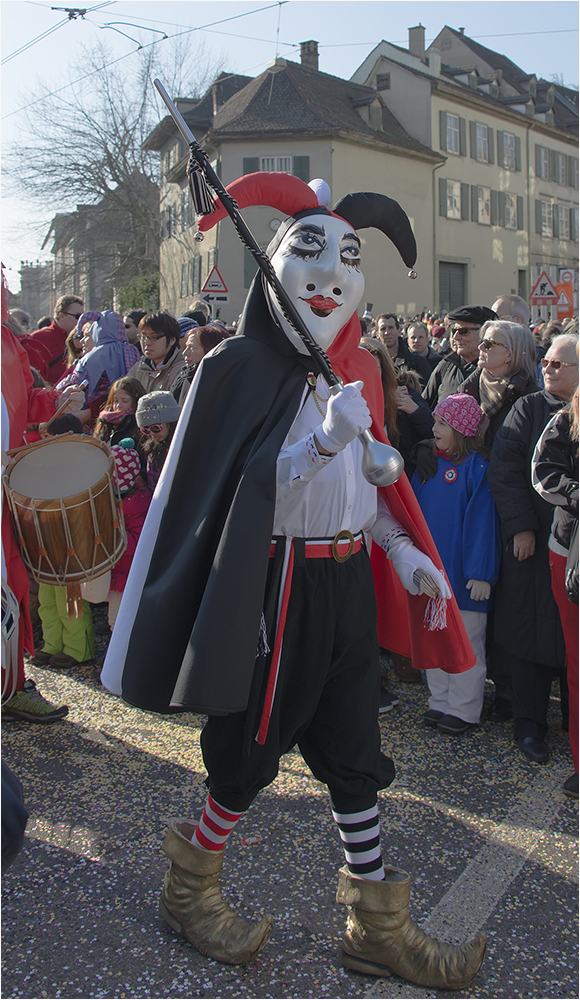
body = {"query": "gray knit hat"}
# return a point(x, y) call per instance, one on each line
point(157, 408)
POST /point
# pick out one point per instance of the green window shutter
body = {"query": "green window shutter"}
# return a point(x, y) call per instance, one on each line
point(462, 137)
point(573, 233)
point(499, 148)
point(490, 156)
point(555, 221)
point(571, 171)
point(538, 207)
point(501, 208)
point(443, 131)
point(518, 153)
point(538, 161)
point(301, 168)
point(493, 208)
point(250, 165)
point(465, 201)
point(443, 197)
point(473, 140)
point(553, 166)
point(520, 212)
point(250, 268)
point(474, 203)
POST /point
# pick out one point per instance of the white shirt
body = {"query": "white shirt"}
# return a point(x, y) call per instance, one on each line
point(319, 495)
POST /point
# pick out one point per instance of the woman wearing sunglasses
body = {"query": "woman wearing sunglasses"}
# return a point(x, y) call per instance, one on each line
point(528, 633)
point(506, 370)
point(157, 415)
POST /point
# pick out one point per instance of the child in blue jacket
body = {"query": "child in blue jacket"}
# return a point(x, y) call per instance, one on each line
point(459, 509)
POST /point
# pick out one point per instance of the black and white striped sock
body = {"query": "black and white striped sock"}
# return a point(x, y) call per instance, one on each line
point(360, 835)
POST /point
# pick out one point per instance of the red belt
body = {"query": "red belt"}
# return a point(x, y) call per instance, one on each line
point(340, 548)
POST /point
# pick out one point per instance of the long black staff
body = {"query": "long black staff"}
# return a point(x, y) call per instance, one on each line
point(381, 464)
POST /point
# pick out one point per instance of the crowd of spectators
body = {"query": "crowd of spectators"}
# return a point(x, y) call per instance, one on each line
point(470, 396)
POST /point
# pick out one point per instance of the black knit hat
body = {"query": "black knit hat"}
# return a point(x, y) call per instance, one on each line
point(471, 314)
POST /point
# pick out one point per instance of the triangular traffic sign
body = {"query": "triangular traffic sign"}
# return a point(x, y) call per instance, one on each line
point(543, 289)
point(214, 282)
point(563, 299)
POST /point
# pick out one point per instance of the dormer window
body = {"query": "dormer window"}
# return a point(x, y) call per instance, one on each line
point(494, 89)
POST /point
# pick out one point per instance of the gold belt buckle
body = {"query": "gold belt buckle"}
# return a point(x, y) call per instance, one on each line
point(343, 536)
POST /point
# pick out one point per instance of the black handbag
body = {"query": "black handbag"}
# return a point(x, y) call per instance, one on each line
point(572, 565)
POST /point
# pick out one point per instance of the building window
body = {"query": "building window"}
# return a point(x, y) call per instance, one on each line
point(484, 206)
point(563, 222)
point(544, 163)
point(481, 152)
point(547, 224)
point(453, 134)
point(383, 81)
point(280, 163)
point(511, 215)
point(560, 168)
point(453, 199)
point(509, 151)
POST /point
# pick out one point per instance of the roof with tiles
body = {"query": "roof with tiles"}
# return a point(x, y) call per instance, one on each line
point(289, 97)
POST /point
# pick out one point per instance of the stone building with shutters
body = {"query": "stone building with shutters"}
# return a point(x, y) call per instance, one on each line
point(296, 119)
point(505, 199)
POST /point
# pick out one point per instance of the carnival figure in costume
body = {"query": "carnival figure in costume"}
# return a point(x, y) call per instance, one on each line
point(266, 460)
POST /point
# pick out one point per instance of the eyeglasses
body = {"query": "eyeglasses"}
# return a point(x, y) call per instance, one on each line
point(129, 325)
point(485, 345)
point(152, 429)
point(155, 336)
point(76, 316)
point(556, 365)
point(464, 331)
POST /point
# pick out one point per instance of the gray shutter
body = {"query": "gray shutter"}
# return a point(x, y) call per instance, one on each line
point(196, 275)
point(493, 208)
point(443, 131)
point(474, 203)
point(520, 212)
point(573, 233)
point(571, 171)
point(555, 221)
point(553, 166)
point(518, 153)
point(490, 156)
point(443, 197)
point(473, 140)
point(250, 165)
point(500, 162)
point(566, 170)
point(538, 206)
point(538, 168)
point(462, 138)
point(465, 201)
point(301, 168)
point(501, 208)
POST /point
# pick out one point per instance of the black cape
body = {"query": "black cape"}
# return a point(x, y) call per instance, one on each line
point(192, 643)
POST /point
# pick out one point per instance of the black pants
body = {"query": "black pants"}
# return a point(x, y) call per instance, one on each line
point(327, 697)
point(532, 684)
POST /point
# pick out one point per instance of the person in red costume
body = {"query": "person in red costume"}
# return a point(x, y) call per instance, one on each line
point(267, 462)
point(46, 348)
point(22, 404)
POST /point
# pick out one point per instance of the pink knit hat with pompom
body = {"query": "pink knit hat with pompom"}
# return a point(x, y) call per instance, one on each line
point(461, 412)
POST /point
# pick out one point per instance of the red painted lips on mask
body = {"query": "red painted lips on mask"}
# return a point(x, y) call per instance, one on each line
point(321, 306)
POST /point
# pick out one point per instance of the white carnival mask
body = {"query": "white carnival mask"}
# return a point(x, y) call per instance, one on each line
point(318, 263)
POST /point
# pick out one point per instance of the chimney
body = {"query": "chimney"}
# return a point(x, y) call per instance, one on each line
point(309, 54)
point(461, 31)
point(417, 42)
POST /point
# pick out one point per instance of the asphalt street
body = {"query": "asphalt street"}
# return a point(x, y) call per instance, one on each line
point(489, 838)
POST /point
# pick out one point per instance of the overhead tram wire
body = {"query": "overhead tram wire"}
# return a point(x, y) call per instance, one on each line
point(49, 31)
point(126, 55)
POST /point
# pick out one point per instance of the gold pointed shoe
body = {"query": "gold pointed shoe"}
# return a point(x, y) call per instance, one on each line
point(382, 940)
point(192, 903)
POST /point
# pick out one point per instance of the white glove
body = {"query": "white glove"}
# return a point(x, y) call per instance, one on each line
point(407, 559)
point(347, 415)
point(480, 590)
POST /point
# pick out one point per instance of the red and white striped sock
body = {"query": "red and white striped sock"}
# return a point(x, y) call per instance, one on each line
point(215, 826)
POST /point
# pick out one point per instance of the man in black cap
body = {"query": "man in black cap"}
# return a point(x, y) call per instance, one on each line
point(464, 326)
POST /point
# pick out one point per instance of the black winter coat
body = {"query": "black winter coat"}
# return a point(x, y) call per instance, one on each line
point(446, 378)
point(527, 622)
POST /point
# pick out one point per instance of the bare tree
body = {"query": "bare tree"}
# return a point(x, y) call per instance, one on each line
point(83, 146)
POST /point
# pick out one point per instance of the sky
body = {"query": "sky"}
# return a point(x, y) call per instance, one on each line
point(38, 40)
